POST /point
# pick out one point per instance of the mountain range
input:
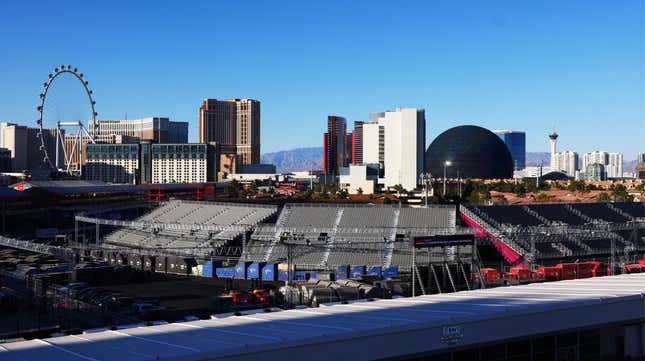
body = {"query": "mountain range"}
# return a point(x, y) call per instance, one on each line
point(302, 159)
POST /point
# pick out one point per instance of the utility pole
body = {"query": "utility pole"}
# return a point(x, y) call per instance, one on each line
point(446, 164)
point(425, 179)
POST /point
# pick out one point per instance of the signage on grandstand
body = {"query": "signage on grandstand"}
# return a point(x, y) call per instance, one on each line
point(444, 240)
point(451, 334)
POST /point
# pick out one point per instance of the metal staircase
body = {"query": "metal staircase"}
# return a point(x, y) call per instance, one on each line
point(535, 214)
point(578, 213)
point(452, 281)
point(387, 262)
point(279, 226)
point(620, 211)
point(332, 237)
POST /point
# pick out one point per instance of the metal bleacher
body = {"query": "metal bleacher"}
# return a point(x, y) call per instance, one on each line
point(510, 215)
point(634, 209)
point(330, 235)
point(186, 240)
point(557, 213)
point(565, 229)
point(600, 211)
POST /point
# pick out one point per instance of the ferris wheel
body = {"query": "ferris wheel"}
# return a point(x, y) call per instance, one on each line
point(63, 141)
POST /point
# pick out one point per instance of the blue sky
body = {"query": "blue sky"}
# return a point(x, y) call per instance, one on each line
point(512, 64)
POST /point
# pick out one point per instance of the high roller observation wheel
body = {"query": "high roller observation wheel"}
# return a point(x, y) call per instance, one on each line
point(59, 139)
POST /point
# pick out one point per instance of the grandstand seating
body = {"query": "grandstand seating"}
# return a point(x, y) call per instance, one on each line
point(557, 213)
point(432, 217)
point(513, 215)
point(366, 217)
point(599, 211)
point(545, 249)
point(314, 216)
point(634, 209)
point(575, 231)
point(346, 234)
point(191, 213)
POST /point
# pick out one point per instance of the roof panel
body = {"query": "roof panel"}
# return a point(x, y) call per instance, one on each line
point(340, 324)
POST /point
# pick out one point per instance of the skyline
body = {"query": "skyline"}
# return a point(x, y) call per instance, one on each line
point(578, 65)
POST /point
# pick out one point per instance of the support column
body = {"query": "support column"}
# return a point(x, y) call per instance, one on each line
point(635, 341)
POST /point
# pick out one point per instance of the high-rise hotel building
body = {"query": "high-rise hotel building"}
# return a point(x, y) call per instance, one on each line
point(612, 162)
point(336, 152)
point(148, 162)
point(235, 125)
point(357, 142)
point(395, 140)
point(516, 143)
point(154, 129)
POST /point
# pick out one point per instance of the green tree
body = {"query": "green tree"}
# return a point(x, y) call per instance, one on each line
point(399, 189)
point(342, 193)
point(603, 197)
point(519, 190)
point(253, 188)
point(619, 193)
point(243, 194)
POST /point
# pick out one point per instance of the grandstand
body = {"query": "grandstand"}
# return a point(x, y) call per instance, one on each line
point(156, 235)
point(325, 236)
point(556, 231)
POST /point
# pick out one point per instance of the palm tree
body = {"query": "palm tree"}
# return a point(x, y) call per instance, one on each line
point(399, 189)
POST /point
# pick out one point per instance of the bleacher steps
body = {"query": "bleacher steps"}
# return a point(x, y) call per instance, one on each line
point(578, 213)
point(535, 214)
point(331, 238)
point(387, 262)
point(619, 211)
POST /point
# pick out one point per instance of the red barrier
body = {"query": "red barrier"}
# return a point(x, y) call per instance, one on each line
point(585, 270)
point(523, 273)
point(511, 279)
point(634, 268)
point(550, 273)
point(491, 275)
point(599, 269)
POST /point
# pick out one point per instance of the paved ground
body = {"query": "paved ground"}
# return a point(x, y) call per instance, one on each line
point(185, 295)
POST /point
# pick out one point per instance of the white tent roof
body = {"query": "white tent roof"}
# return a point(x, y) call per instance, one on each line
point(362, 330)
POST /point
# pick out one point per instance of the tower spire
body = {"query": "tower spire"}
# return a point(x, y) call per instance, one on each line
point(553, 137)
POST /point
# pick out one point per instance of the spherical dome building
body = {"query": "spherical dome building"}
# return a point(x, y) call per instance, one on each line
point(473, 151)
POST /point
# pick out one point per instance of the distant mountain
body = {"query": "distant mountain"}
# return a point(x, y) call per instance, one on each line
point(303, 159)
point(300, 159)
point(534, 159)
point(630, 166)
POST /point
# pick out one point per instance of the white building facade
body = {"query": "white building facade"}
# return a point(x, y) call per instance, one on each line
point(597, 156)
point(614, 167)
point(612, 162)
point(396, 141)
point(567, 162)
point(359, 178)
point(179, 163)
point(113, 163)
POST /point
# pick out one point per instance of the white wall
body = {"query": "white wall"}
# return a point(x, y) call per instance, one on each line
point(370, 143)
point(404, 145)
point(357, 178)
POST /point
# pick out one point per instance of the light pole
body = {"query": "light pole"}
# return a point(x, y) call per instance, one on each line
point(426, 179)
point(446, 164)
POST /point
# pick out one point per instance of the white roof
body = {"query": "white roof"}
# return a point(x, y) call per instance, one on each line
point(362, 330)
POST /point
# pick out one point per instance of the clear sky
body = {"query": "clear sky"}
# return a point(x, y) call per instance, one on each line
point(508, 64)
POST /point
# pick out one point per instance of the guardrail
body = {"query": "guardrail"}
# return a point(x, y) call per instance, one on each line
point(60, 252)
